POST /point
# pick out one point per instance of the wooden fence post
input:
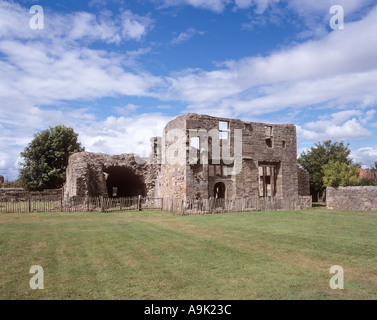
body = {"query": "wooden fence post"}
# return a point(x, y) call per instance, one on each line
point(139, 203)
point(102, 202)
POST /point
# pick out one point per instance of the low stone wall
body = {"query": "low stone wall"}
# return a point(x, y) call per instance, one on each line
point(18, 194)
point(352, 198)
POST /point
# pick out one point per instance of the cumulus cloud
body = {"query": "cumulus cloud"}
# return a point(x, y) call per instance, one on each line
point(340, 126)
point(367, 156)
point(350, 130)
point(48, 66)
point(125, 134)
point(105, 26)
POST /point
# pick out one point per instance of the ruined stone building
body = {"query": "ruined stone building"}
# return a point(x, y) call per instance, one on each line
point(198, 157)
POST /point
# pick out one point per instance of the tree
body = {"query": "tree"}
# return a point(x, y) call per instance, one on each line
point(45, 159)
point(337, 174)
point(321, 154)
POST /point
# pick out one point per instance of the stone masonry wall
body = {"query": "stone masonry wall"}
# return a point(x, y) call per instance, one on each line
point(352, 198)
point(303, 182)
point(201, 178)
point(86, 173)
point(171, 181)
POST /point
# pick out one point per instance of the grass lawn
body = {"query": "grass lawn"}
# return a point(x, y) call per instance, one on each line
point(158, 255)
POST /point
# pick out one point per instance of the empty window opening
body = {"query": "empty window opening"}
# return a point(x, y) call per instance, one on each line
point(219, 190)
point(195, 142)
point(224, 130)
point(284, 144)
point(223, 125)
point(122, 182)
point(194, 152)
point(268, 131)
point(269, 143)
point(248, 127)
point(267, 180)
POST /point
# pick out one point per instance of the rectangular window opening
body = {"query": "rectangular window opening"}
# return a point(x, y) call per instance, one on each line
point(224, 130)
point(195, 142)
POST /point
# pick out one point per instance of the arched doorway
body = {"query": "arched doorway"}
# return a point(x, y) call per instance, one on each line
point(122, 182)
point(219, 190)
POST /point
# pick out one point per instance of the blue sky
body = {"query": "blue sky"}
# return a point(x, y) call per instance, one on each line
point(118, 71)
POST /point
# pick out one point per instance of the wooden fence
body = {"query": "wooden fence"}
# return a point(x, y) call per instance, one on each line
point(178, 206)
point(213, 205)
point(79, 204)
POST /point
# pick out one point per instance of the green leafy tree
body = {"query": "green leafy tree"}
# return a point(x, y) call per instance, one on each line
point(45, 159)
point(321, 154)
point(338, 174)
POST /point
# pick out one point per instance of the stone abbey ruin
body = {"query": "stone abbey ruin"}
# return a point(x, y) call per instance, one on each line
point(198, 157)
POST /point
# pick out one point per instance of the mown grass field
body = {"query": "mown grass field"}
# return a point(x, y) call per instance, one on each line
point(158, 255)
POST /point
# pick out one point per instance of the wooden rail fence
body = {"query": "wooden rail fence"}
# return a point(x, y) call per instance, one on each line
point(176, 205)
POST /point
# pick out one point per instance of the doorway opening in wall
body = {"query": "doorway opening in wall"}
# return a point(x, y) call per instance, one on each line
point(268, 179)
point(219, 190)
point(122, 182)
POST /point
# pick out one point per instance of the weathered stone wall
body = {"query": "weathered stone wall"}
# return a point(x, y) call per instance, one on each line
point(303, 182)
point(86, 173)
point(282, 153)
point(19, 194)
point(171, 181)
point(352, 198)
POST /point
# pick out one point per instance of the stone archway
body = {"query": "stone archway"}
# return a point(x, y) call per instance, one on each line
point(122, 182)
point(219, 190)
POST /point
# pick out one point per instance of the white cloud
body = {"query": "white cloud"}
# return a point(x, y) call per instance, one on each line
point(134, 26)
point(116, 135)
point(367, 156)
point(339, 127)
point(368, 117)
point(45, 74)
point(260, 5)
point(127, 109)
point(186, 35)
point(74, 26)
point(217, 6)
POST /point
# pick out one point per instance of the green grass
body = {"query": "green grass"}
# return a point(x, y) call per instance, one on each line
point(157, 255)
